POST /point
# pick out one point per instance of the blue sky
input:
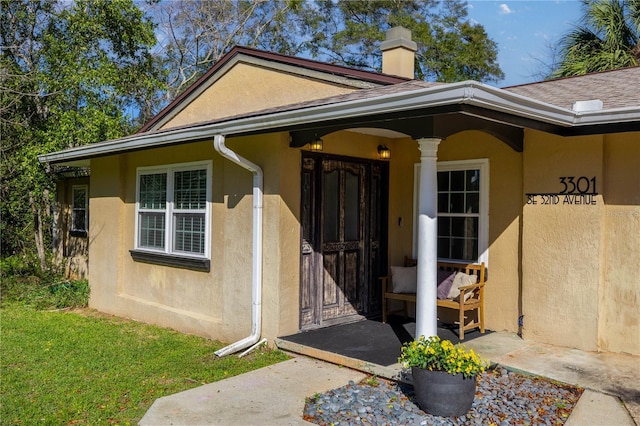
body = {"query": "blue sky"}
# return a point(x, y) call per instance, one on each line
point(525, 32)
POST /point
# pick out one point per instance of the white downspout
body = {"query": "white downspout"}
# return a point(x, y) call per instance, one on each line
point(256, 273)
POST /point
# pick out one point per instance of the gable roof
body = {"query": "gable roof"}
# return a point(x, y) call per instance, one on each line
point(615, 88)
point(346, 76)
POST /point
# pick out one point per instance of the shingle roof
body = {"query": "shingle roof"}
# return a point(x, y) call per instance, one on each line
point(617, 89)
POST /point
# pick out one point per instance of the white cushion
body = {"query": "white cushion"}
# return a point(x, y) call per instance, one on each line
point(404, 279)
point(462, 280)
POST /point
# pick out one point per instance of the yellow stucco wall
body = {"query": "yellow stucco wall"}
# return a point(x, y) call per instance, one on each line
point(619, 327)
point(505, 208)
point(562, 247)
point(215, 304)
point(179, 298)
point(579, 267)
point(248, 88)
point(404, 154)
point(568, 268)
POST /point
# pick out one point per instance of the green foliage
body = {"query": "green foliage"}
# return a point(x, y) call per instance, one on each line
point(441, 355)
point(346, 32)
point(372, 381)
point(16, 266)
point(27, 285)
point(74, 73)
point(70, 74)
point(607, 38)
point(450, 47)
point(68, 368)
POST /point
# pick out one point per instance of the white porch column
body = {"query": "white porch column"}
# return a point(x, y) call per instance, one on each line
point(427, 293)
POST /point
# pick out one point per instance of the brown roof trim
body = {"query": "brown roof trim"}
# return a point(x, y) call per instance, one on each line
point(370, 76)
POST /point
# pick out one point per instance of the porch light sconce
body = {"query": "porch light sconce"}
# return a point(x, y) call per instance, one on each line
point(383, 152)
point(316, 144)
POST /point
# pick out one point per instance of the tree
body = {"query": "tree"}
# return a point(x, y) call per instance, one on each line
point(450, 47)
point(197, 33)
point(194, 35)
point(68, 75)
point(607, 38)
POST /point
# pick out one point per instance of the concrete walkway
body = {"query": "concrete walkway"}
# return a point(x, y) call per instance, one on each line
point(273, 395)
point(276, 395)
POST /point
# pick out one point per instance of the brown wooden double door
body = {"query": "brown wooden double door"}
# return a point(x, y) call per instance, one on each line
point(344, 238)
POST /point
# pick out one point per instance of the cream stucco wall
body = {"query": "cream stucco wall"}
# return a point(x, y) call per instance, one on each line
point(248, 88)
point(569, 269)
point(579, 267)
point(619, 325)
point(505, 208)
point(186, 300)
point(562, 245)
point(216, 304)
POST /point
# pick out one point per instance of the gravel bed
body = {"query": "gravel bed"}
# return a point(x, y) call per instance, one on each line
point(502, 398)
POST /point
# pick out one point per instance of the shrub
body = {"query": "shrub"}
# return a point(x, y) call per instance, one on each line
point(45, 292)
point(70, 294)
point(441, 355)
point(16, 265)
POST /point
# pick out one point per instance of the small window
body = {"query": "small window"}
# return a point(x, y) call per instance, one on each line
point(172, 209)
point(458, 214)
point(79, 208)
point(463, 210)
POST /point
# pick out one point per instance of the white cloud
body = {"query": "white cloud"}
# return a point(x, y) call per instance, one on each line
point(505, 10)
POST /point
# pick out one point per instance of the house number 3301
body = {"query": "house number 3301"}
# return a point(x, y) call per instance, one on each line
point(578, 185)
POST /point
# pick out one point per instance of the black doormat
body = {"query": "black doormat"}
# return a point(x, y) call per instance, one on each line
point(368, 340)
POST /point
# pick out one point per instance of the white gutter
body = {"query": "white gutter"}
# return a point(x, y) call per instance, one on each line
point(256, 270)
point(465, 93)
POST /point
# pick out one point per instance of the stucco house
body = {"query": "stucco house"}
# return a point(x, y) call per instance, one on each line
point(259, 202)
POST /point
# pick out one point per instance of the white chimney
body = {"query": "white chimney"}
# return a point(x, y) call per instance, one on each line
point(399, 53)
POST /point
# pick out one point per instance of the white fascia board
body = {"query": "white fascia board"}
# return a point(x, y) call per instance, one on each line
point(133, 142)
point(567, 117)
point(494, 99)
point(607, 116)
point(468, 92)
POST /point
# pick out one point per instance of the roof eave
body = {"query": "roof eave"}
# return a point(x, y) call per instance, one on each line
point(469, 92)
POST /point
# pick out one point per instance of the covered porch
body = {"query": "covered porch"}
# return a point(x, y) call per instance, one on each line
point(424, 142)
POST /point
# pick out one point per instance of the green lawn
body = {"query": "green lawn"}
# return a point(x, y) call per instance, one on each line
point(86, 368)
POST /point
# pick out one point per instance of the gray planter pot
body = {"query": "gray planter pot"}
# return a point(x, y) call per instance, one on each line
point(443, 394)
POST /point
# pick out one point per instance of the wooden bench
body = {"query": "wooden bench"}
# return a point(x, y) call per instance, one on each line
point(475, 302)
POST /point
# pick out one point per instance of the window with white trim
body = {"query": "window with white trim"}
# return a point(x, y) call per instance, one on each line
point(79, 208)
point(173, 208)
point(463, 210)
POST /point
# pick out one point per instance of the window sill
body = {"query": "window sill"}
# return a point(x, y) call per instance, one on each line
point(175, 261)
